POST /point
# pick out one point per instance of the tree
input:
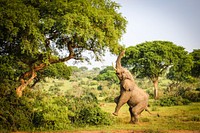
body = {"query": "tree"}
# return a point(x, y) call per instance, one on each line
point(195, 71)
point(34, 34)
point(107, 74)
point(180, 71)
point(83, 68)
point(153, 59)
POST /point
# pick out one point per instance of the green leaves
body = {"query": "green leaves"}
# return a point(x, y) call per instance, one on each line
point(196, 60)
point(153, 59)
point(107, 74)
point(42, 32)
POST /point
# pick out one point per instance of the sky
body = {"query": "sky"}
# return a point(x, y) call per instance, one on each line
point(177, 21)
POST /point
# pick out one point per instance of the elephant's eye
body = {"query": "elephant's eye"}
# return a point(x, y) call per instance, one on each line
point(117, 73)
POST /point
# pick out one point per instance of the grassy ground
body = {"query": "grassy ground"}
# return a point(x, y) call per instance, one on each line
point(176, 119)
point(171, 118)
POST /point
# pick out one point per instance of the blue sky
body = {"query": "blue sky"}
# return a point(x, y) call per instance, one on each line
point(177, 21)
point(172, 20)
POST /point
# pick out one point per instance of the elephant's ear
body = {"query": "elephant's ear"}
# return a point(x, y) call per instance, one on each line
point(128, 85)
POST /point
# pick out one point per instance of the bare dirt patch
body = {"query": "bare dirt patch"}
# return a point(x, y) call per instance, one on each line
point(118, 131)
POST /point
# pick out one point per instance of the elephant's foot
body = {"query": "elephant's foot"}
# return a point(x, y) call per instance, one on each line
point(134, 122)
point(115, 114)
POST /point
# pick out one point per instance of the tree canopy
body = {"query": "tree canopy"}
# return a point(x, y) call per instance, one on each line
point(107, 74)
point(153, 59)
point(196, 60)
point(37, 33)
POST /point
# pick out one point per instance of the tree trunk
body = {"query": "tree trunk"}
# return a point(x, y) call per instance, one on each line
point(27, 78)
point(34, 69)
point(24, 83)
point(155, 83)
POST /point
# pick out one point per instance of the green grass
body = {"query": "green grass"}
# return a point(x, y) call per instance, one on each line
point(171, 118)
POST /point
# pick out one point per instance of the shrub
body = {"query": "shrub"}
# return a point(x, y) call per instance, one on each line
point(193, 96)
point(87, 112)
point(52, 114)
point(93, 116)
point(15, 113)
point(172, 101)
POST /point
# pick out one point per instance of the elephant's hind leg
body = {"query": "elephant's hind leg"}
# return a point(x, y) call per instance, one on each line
point(137, 110)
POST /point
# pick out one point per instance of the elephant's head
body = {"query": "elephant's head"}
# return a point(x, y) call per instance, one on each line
point(122, 73)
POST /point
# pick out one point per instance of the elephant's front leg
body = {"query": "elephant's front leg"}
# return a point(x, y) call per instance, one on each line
point(124, 97)
point(116, 100)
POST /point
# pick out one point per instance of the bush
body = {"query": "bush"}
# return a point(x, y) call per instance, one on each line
point(93, 116)
point(172, 101)
point(52, 114)
point(87, 112)
point(15, 113)
point(193, 96)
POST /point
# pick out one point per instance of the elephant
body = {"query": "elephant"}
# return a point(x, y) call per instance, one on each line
point(130, 93)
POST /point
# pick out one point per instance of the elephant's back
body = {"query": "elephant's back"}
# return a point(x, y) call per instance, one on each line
point(138, 95)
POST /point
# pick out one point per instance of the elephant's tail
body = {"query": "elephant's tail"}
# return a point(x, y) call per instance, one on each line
point(148, 111)
point(151, 113)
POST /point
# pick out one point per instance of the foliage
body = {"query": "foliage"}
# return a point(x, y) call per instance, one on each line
point(75, 69)
point(93, 116)
point(58, 71)
point(34, 34)
point(172, 101)
point(15, 113)
point(107, 74)
point(153, 59)
point(195, 71)
point(83, 68)
point(192, 96)
point(86, 111)
point(181, 69)
point(51, 113)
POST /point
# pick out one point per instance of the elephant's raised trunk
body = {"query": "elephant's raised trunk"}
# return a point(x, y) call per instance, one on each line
point(118, 61)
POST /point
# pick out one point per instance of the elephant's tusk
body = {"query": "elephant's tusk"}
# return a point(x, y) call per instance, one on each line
point(114, 66)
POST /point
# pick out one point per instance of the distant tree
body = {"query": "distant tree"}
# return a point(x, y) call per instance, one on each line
point(180, 71)
point(75, 69)
point(153, 59)
point(35, 34)
point(96, 69)
point(107, 74)
point(195, 71)
point(83, 68)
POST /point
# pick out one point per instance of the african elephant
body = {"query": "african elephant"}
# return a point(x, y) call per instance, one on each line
point(130, 93)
